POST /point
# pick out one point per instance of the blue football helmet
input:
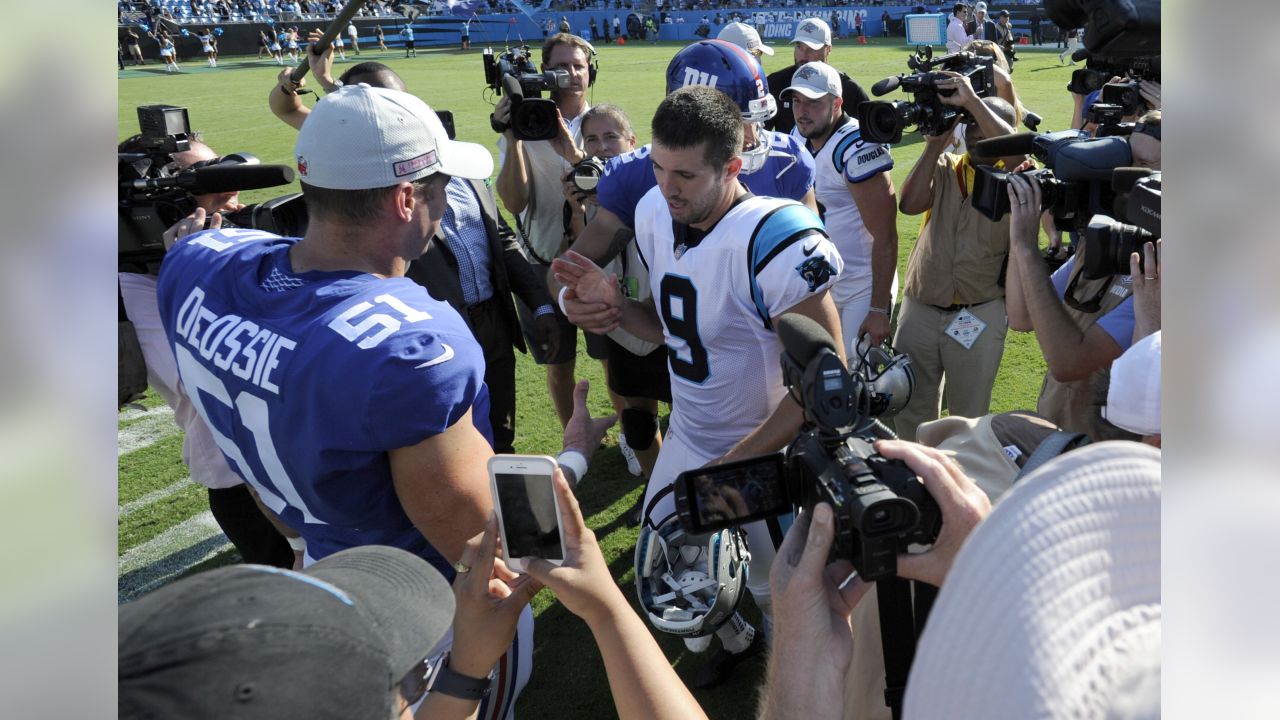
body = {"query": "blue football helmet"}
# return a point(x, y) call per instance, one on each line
point(735, 72)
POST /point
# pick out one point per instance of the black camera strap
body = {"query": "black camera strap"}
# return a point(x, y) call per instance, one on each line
point(904, 607)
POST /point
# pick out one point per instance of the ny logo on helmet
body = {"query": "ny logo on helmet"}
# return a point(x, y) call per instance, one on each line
point(697, 77)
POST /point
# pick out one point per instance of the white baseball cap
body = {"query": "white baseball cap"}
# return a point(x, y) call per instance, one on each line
point(981, 7)
point(362, 137)
point(1133, 400)
point(744, 36)
point(814, 80)
point(814, 32)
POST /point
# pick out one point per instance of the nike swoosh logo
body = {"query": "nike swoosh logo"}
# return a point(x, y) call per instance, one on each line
point(809, 250)
point(445, 356)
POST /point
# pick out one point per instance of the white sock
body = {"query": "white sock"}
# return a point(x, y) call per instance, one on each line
point(736, 635)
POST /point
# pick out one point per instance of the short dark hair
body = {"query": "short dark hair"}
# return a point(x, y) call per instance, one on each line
point(354, 206)
point(566, 39)
point(374, 74)
point(699, 115)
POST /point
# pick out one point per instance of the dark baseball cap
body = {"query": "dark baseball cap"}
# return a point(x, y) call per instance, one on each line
point(252, 641)
point(1003, 13)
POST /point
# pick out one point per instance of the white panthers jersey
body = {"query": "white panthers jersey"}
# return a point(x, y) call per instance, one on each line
point(717, 299)
point(847, 158)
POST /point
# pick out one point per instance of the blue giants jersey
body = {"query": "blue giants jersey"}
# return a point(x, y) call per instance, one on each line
point(788, 174)
point(308, 380)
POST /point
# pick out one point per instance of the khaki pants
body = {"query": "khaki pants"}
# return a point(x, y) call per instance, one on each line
point(943, 364)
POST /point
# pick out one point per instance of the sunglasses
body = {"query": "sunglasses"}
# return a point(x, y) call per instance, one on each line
point(414, 683)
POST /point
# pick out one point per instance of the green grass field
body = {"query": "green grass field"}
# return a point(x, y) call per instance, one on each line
point(164, 527)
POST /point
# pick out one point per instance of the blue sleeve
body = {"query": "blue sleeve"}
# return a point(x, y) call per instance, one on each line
point(626, 179)
point(1119, 323)
point(1062, 277)
point(799, 179)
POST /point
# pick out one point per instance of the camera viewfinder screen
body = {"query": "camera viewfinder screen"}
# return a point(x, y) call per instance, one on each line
point(528, 507)
point(748, 491)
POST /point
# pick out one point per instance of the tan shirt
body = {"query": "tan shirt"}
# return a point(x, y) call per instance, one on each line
point(959, 254)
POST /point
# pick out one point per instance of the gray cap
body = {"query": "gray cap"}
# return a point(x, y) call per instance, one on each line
point(251, 641)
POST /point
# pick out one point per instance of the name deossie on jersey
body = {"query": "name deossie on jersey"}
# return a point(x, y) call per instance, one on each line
point(718, 296)
point(787, 173)
point(307, 380)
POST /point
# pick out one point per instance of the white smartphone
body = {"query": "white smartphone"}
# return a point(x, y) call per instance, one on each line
point(528, 510)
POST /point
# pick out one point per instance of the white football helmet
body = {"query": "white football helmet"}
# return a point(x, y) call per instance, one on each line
point(690, 584)
point(888, 376)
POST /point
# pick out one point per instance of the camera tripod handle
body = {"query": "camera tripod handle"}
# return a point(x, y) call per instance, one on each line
point(338, 25)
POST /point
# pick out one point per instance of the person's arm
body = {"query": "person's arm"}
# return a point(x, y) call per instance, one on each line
point(594, 302)
point(917, 191)
point(879, 209)
point(602, 240)
point(810, 200)
point(964, 97)
point(1024, 229)
point(513, 177)
point(321, 64)
point(781, 426)
point(641, 680)
point(286, 103)
point(1070, 353)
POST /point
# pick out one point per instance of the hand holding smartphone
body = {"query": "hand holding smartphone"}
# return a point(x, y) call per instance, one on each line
point(528, 509)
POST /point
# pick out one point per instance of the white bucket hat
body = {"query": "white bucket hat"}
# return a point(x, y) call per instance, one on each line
point(1052, 607)
point(1133, 399)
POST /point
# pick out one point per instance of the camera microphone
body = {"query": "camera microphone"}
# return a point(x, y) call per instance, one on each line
point(802, 338)
point(221, 178)
point(1005, 145)
point(886, 85)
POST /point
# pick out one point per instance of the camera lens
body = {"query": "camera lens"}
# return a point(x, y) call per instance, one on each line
point(535, 120)
point(882, 121)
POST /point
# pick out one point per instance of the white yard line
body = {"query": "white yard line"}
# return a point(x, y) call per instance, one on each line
point(168, 555)
point(146, 430)
point(133, 506)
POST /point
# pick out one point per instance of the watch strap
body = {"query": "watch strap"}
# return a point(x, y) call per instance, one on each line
point(453, 684)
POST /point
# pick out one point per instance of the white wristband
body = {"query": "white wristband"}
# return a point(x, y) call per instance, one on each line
point(560, 300)
point(575, 461)
point(299, 544)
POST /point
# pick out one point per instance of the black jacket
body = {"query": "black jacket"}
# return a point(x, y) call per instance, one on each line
point(437, 269)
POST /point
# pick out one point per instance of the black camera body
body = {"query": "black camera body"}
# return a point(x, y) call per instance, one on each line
point(1113, 28)
point(513, 72)
point(1075, 184)
point(154, 194)
point(883, 121)
point(880, 506)
point(1108, 242)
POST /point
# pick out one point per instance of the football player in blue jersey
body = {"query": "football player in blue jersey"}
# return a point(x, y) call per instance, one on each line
point(773, 164)
point(343, 392)
point(723, 265)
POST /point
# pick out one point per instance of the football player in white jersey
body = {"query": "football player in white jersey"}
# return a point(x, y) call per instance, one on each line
point(723, 266)
point(856, 197)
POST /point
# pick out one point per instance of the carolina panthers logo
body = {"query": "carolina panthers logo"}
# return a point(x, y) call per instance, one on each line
point(816, 271)
point(805, 73)
point(809, 28)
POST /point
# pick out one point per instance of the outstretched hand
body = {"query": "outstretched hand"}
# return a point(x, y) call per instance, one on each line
point(191, 224)
point(583, 432)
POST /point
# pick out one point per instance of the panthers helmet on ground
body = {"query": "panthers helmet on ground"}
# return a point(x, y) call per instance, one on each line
point(690, 584)
point(738, 74)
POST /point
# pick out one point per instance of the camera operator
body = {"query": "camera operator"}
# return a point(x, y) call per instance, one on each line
point(529, 185)
point(952, 323)
point(1081, 336)
point(812, 43)
point(1012, 659)
point(232, 503)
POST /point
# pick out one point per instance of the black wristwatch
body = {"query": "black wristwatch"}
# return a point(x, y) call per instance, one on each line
point(453, 684)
